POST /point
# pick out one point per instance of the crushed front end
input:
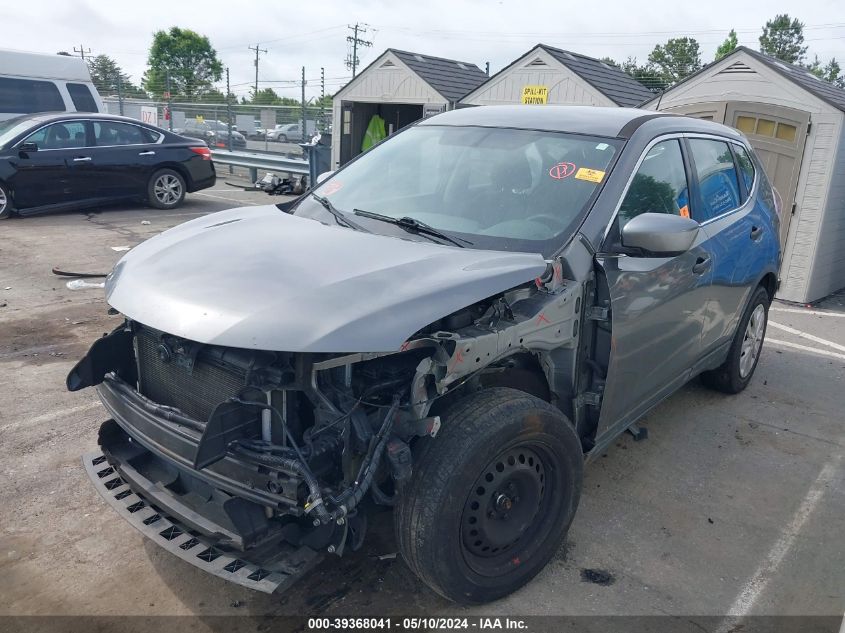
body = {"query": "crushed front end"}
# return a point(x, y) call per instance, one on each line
point(249, 464)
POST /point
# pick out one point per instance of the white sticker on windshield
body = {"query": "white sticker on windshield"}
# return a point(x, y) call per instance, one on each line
point(602, 146)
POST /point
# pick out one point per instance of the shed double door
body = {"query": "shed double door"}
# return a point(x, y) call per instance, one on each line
point(776, 133)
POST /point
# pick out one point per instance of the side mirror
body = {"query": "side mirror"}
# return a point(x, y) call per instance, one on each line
point(324, 176)
point(28, 147)
point(660, 233)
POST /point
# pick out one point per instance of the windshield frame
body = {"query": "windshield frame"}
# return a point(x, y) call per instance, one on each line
point(549, 248)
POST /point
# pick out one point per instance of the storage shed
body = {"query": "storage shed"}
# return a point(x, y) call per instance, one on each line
point(549, 75)
point(796, 123)
point(401, 88)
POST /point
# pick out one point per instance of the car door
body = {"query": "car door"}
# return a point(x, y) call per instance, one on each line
point(736, 229)
point(123, 158)
point(657, 303)
point(56, 170)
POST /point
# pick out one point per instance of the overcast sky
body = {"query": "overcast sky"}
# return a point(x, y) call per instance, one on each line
point(313, 33)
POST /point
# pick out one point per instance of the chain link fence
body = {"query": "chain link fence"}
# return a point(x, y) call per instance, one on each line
point(276, 129)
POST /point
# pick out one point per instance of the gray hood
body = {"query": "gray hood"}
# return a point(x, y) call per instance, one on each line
point(256, 277)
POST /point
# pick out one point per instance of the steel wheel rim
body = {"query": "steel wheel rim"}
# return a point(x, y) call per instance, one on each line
point(167, 189)
point(508, 509)
point(752, 341)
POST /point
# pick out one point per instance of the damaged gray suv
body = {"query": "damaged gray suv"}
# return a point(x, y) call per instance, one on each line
point(450, 326)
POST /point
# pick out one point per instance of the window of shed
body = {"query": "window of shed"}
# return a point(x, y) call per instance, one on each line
point(746, 124)
point(765, 127)
point(786, 132)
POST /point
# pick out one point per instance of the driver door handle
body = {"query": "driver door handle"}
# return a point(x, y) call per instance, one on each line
point(150, 153)
point(702, 265)
point(81, 159)
point(756, 232)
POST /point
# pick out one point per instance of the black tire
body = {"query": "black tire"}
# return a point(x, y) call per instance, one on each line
point(736, 372)
point(166, 189)
point(5, 202)
point(510, 442)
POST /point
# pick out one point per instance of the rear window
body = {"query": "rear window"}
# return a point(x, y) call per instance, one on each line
point(26, 95)
point(82, 98)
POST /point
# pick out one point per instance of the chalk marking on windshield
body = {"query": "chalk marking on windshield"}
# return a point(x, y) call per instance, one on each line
point(562, 170)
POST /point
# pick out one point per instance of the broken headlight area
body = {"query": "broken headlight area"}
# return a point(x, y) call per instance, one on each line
point(257, 447)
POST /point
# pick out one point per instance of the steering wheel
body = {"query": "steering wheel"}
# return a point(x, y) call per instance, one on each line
point(554, 223)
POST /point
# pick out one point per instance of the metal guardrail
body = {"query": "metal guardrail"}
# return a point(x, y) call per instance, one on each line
point(264, 161)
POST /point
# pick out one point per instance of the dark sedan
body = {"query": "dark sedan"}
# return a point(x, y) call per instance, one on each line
point(52, 162)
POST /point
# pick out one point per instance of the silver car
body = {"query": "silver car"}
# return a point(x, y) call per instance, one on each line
point(450, 326)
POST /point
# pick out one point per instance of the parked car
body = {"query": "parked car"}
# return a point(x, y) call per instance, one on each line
point(215, 133)
point(451, 325)
point(52, 162)
point(291, 132)
point(32, 82)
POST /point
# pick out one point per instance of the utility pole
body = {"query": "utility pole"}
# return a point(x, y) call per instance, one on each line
point(257, 50)
point(120, 94)
point(229, 110)
point(81, 51)
point(352, 61)
point(169, 103)
point(303, 105)
point(322, 95)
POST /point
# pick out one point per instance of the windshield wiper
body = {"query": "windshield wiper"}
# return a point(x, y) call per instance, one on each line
point(338, 215)
point(412, 225)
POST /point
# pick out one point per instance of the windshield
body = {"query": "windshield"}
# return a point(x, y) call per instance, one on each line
point(499, 188)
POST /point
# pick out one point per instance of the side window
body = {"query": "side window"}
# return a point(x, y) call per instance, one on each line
point(746, 167)
point(717, 179)
point(67, 135)
point(24, 96)
point(81, 96)
point(150, 136)
point(659, 186)
point(109, 133)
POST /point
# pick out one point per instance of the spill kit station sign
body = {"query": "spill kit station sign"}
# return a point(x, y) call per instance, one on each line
point(535, 95)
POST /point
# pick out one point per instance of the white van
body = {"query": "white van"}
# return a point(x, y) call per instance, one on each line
point(31, 82)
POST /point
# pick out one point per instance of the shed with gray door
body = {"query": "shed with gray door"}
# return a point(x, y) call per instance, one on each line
point(796, 123)
point(401, 88)
point(553, 76)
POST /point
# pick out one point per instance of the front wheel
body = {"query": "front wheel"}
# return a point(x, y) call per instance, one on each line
point(492, 496)
point(735, 373)
point(166, 189)
point(5, 202)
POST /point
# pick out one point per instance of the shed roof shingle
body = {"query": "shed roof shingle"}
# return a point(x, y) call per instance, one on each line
point(451, 78)
point(824, 90)
point(614, 83)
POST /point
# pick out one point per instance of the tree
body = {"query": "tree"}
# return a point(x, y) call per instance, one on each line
point(677, 59)
point(828, 72)
point(110, 79)
point(266, 96)
point(727, 47)
point(647, 75)
point(188, 58)
point(783, 37)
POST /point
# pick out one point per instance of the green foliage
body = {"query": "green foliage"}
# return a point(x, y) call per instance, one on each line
point(828, 72)
point(727, 47)
point(677, 59)
point(110, 79)
point(190, 60)
point(646, 74)
point(783, 37)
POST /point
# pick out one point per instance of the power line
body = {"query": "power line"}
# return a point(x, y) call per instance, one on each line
point(352, 61)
